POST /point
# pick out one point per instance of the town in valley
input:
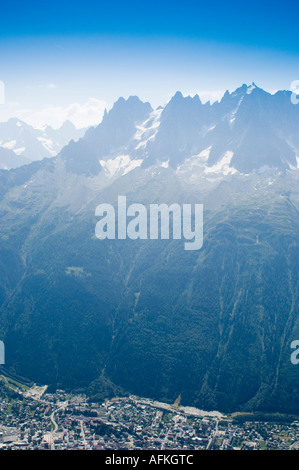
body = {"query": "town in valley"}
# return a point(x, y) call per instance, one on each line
point(31, 418)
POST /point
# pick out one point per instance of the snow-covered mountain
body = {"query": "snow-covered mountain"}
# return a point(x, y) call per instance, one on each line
point(248, 130)
point(9, 159)
point(27, 144)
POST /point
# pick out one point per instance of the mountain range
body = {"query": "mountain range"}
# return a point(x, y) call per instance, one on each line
point(21, 143)
point(235, 134)
point(145, 316)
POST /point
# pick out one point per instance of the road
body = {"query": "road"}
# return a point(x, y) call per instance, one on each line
point(52, 437)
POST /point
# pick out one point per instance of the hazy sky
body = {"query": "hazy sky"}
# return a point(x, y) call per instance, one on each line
point(72, 59)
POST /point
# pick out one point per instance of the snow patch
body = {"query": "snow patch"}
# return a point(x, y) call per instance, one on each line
point(223, 165)
point(121, 164)
point(197, 167)
point(20, 150)
point(295, 167)
point(148, 129)
point(48, 145)
point(200, 158)
point(234, 113)
point(250, 89)
point(196, 162)
point(9, 145)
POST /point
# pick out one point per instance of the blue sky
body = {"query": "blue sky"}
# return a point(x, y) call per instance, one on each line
point(71, 59)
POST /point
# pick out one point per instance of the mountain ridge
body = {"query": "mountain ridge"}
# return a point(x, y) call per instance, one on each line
point(185, 127)
point(28, 144)
point(213, 325)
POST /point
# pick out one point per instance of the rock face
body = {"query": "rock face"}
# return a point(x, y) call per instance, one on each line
point(213, 325)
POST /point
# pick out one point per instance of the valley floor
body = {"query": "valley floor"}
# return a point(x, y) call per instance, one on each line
point(31, 418)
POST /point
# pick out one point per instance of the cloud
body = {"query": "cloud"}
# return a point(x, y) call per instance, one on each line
point(81, 115)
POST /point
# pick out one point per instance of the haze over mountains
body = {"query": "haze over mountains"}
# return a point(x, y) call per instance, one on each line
point(249, 129)
point(21, 144)
point(145, 316)
point(233, 134)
